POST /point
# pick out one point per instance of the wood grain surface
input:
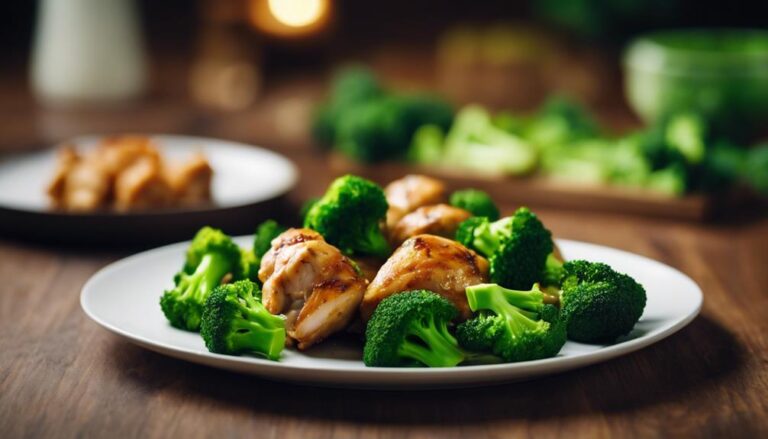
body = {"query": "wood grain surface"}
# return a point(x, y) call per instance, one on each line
point(63, 376)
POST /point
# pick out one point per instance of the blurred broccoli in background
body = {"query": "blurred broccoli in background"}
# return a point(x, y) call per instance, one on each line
point(756, 169)
point(681, 153)
point(477, 202)
point(350, 87)
point(370, 124)
point(560, 121)
point(474, 142)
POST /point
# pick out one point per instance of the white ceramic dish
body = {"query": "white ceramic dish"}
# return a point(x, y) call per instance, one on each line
point(123, 298)
point(245, 178)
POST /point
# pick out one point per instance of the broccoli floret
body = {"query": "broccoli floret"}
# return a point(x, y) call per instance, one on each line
point(427, 145)
point(235, 322)
point(351, 87)
point(517, 247)
point(349, 216)
point(373, 131)
point(552, 275)
point(411, 329)
point(598, 303)
point(465, 233)
point(382, 128)
point(515, 325)
point(474, 142)
point(211, 256)
point(265, 233)
point(477, 202)
point(721, 167)
point(251, 264)
point(687, 134)
point(756, 169)
point(560, 121)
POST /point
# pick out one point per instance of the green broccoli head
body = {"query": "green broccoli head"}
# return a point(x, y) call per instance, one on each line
point(560, 121)
point(251, 264)
point(520, 259)
point(265, 233)
point(598, 303)
point(475, 143)
point(756, 169)
point(477, 202)
point(351, 86)
point(211, 256)
point(382, 128)
point(552, 275)
point(235, 322)
point(515, 325)
point(411, 329)
point(349, 216)
point(373, 131)
point(516, 247)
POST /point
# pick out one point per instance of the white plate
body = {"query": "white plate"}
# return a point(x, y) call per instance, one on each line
point(244, 176)
point(124, 298)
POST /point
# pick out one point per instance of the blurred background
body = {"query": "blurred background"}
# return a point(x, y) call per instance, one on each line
point(587, 87)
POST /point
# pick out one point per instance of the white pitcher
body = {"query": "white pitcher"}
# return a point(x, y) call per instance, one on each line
point(88, 50)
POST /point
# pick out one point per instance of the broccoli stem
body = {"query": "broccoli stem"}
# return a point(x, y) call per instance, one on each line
point(213, 267)
point(375, 244)
point(261, 315)
point(496, 298)
point(250, 336)
point(441, 350)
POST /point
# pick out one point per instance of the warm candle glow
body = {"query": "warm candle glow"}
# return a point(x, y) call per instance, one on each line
point(297, 13)
point(290, 18)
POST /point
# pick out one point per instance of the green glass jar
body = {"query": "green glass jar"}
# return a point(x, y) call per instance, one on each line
point(719, 73)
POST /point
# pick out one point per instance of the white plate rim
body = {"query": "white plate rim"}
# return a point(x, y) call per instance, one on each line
point(391, 377)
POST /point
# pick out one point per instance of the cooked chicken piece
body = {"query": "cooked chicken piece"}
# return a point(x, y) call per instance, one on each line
point(440, 220)
point(427, 262)
point(67, 158)
point(118, 153)
point(410, 192)
point(312, 283)
point(190, 180)
point(86, 187)
point(142, 186)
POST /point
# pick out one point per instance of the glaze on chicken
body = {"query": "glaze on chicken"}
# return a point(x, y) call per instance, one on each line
point(409, 193)
point(312, 283)
point(427, 262)
point(439, 219)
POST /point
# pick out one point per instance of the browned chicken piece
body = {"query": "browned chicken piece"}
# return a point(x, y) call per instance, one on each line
point(440, 220)
point(428, 262)
point(67, 158)
point(312, 283)
point(142, 186)
point(409, 193)
point(190, 180)
point(119, 152)
point(86, 187)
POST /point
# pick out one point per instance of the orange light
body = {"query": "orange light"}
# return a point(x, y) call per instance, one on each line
point(289, 18)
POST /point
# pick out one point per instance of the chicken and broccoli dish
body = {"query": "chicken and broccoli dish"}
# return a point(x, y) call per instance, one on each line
point(423, 277)
point(127, 173)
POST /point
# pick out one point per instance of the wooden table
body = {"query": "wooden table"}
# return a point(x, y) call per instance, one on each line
point(63, 376)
